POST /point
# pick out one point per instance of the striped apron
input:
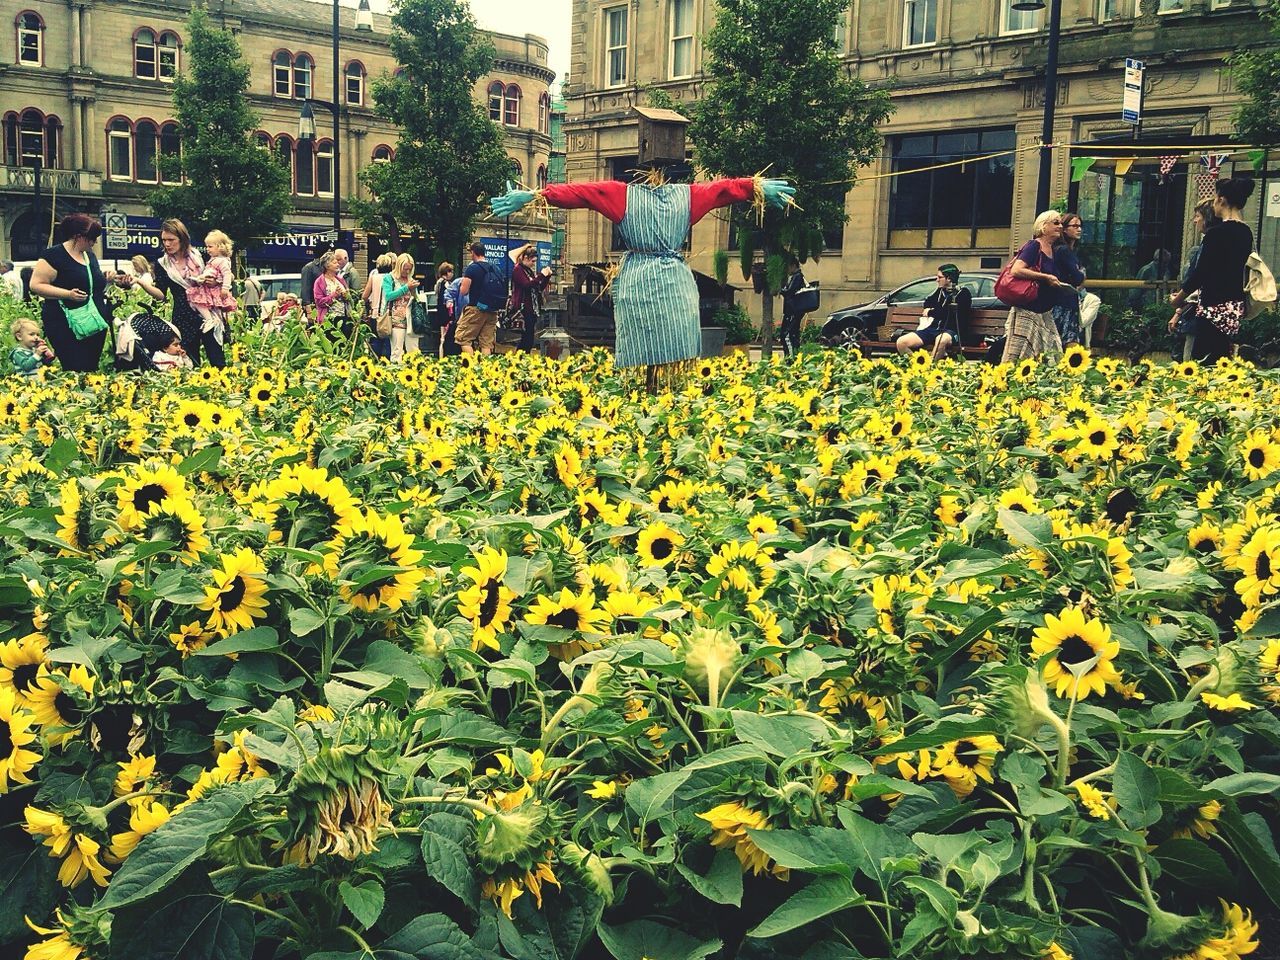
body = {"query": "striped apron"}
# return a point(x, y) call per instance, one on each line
point(655, 299)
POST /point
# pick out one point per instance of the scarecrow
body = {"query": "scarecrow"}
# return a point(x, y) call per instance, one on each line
point(655, 299)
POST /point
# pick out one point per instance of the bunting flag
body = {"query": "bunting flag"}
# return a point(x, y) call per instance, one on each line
point(1258, 158)
point(1123, 164)
point(1211, 166)
point(1166, 167)
point(1080, 166)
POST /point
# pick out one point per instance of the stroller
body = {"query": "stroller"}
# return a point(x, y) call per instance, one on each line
point(137, 337)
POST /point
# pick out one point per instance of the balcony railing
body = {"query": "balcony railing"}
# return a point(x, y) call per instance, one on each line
point(67, 181)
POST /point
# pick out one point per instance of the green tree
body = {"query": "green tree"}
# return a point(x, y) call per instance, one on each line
point(227, 181)
point(449, 157)
point(1257, 76)
point(778, 100)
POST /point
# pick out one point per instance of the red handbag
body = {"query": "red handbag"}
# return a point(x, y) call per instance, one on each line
point(1016, 291)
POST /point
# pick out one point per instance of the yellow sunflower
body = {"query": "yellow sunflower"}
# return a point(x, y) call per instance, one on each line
point(729, 824)
point(55, 704)
point(487, 602)
point(143, 488)
point(74, 519)
point(20, 662)
point(1259, 562)
point(16, 735)
point(1098, 439)
point(576, 612)
point(1204, 538)
point(145, 816)
point(658, 545)
point(1260, 454)
point(79, 853)
point(370, 540)
point(1083, 653)
point(237, 596)
point(1075, 359)
point(177, 520)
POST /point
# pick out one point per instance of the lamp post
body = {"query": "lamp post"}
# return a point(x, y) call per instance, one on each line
point(307, 117)
point(1050, 95)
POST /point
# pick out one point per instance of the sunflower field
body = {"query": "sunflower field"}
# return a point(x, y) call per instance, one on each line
point(509, 658)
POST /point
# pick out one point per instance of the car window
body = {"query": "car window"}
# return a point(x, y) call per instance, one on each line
point(986, 287)
point(272, 287)
point(914, 292)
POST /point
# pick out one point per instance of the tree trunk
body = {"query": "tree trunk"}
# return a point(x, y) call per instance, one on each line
point(766, 322)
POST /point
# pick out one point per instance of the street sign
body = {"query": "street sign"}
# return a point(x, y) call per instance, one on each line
point(1131, 105)
point(117, 231)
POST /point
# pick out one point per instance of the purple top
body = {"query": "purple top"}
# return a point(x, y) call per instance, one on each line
point(1037, 260)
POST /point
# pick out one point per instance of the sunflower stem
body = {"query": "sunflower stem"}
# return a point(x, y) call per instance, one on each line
point(360, 941)
point(478, 805)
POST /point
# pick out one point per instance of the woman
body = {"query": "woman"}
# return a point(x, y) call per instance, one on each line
point(397, 291)
point(330, 290)
point(1029, 331)
point(1183, 320)
point(443, 319)
point(172, 276)
point(527, 284)
point(374, 305)
point(1066, 312)
point(1219, 274)
point(950, 308)
point(68, 275)
point(789, 332)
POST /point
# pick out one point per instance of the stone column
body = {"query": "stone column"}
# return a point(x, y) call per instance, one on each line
point(355, 161)
point(86, 33)
point(74, 22)
point(73, 133)
point(90, 143)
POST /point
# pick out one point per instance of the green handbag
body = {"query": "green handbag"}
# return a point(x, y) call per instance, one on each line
point(85, 320)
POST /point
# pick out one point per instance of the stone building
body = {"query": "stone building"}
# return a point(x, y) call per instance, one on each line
point(86, 89)
point(966, 78)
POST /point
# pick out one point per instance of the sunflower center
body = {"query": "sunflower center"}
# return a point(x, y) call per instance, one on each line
point(1098, 438)
point(67, 709)
point(968, 754)
point(1257, 457)
point(6, 742)
point(24, 677)
point(1262, 566)
point(1075, 360)
point(661, 548)
point(1204, 545)
point(191, 419)
point(232, 595)
point(146, 495)
point(489, 603)
point(1075, 650)
point(566, 619)
point(591, 512)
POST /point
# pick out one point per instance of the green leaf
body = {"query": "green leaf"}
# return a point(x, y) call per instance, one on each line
point(1195, 864)
point(164, 854)
point(1175, 788)
point(27, 886)
point(648, 940)
point(1245, 784)
point(471, 730)
point(873, 845)
point(197, 927)
point(1137, 791)
point(813, 849)
point(650, 797)
point(944, 731)
point(722, 883)
point(304, 620)
point(61, 453)
point(432, 936)
point(1026, 529)
point(782, 735)
point(824, 896)
point(246, 641)
point(1260, 858)
point(204, 459)
point(444, 840)
point(364, 900)
point(943, 900)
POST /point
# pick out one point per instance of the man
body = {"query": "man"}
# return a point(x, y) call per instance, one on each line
point(309, 274)
point(486, 290)
point(252, 298)
point(1159, 268)
point(10, 282)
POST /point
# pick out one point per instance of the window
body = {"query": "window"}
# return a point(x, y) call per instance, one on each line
point(304, 168)
point(511, 110)
point(31, 138)
point(324, 168)
point(355, 84)
point(1017, 21)
point(497, 91)
point(1170, 6)
point(382, 153)
point(262, 141)
point(120, 149)
point(517, 171)
point(920, 23)
point(542, 175)
point(1108, 10)
point(170, 147)
point(167, 51)
point(681, 39)
point(144, 54)
point(282, 71)
point(967, 206)
point(840, 33)
point(302, 68)
point(284, 153)
point(30, 39)
point(146, 147)
point(615, 54)
point(544, 113)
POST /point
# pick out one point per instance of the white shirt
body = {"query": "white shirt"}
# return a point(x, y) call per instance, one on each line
point(13, 283)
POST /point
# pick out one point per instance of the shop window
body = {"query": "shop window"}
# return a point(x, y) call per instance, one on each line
point(966, 206)
point(30, 28)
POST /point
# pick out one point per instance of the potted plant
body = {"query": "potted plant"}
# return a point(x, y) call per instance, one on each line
point(737, 326)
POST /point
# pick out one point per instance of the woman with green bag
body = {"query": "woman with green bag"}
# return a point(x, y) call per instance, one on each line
point(76, 314)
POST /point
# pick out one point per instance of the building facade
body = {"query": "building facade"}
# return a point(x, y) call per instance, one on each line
point(86, 90)
point(966, 78)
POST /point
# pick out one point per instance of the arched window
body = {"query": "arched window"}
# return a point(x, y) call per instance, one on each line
point(324, 168)
point(355, 84)
point(303, 66)
point(170, 146)
point(542, 175)
point(517, 171)
point(167, 50)
point(511, 111)
point(119, 149)
point(282, 73)
point(544, 113)
point(382, 153)
point(30, 28)
point(146, 148)
point(31, 138)
point(304, 168)
point(144, 54)
point(284, 152)
point(496, 93)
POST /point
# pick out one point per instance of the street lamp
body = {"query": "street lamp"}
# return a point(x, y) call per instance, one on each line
point(1050, 95)
point(307, 117)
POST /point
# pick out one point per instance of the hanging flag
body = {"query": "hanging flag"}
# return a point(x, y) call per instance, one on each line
point(1080, 166)
point(1166, 167)
point(1258, 158)
point(1122, 165)
point(1211, 167)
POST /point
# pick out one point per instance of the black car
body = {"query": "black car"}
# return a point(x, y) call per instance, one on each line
point(866, 320)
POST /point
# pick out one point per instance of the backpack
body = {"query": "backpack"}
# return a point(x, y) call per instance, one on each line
point(1259, 286)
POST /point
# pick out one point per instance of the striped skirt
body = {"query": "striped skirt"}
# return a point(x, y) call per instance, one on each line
point(1029, 334)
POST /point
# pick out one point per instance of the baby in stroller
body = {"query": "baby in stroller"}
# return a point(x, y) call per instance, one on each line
point(138, 337)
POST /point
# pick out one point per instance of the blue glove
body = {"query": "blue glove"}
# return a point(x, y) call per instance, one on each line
point(778, 193)
point(510, 202)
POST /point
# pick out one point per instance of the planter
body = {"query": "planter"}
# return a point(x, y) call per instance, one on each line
point(712, 341)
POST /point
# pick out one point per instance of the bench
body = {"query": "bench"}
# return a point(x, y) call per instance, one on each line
point(984, 323)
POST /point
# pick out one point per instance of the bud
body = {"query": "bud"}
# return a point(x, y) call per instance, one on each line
point(428, 639)
point(512, 837)
point(709, 655)
point(591, 870)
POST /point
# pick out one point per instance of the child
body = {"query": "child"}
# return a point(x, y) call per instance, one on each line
point(31, 350)
point(171, 356)
point(210, 291)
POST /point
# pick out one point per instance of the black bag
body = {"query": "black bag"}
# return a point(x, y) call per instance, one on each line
point(805, 300)
point(419, 319)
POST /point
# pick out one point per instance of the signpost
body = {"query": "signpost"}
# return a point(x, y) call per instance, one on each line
point(117, 231)
point(1135, 72)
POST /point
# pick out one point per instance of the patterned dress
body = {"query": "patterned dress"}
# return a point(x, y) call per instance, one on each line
point(655, 298)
